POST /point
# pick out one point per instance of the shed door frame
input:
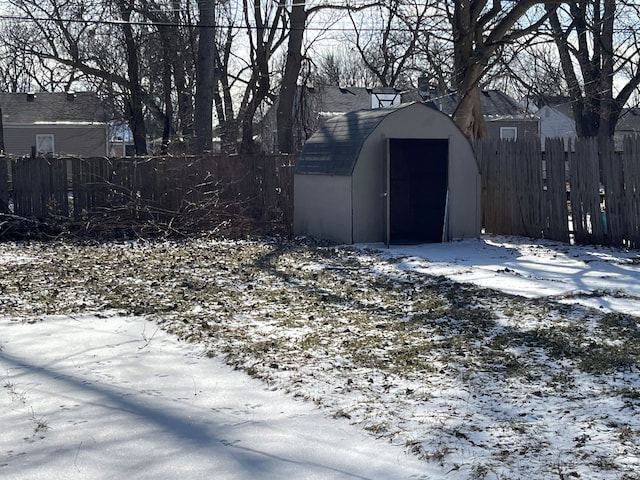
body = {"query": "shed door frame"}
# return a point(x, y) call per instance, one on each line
point(389, 193)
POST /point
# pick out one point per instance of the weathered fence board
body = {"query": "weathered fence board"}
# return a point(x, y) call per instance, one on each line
point(584, 181)
point(614, 211)
point(631, 169)
point(590, 193)
point(90, 181)
point(511, 186)
point(4, 185)
point(40, 187)
point(555, 211)
point(153, 189)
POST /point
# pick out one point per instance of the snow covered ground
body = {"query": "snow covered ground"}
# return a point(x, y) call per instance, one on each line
point(110, 395)
point(599, 277)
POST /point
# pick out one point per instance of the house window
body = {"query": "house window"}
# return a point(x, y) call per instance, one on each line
point(44, 144)
point(509, 133)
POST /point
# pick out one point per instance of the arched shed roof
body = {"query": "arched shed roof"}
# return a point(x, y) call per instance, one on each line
point(334, 148)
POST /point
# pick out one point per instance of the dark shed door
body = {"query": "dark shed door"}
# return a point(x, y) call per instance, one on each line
point(418, 178)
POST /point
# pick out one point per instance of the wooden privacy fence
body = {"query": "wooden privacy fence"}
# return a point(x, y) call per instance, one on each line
point(587, 193)
point(150, 189)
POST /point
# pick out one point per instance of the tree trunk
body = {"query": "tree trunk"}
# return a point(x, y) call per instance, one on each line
point(182, 60)
point(229, 126)
point(168, 104)
point(479, 29)
point(259, 84)
point(468, 115)
point(595, 108)
point(468, 70)
point(136, 113)
point(286, 99)
point(205, 65)
point(260, 91)
point(609, 108)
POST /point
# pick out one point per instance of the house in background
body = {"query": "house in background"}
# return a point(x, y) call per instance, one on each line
point(505, 117)
point(628, 125)
point(556, 117)
point(314, 105)
point(120, 139)
point(328, 101)
point(72, 123)
point(556, 120)
point(554, 123)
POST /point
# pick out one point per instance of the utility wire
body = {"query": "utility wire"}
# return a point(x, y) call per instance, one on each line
point(332, 28)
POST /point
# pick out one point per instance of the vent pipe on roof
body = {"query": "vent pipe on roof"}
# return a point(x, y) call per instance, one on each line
point(71, 96)
point(31, 96)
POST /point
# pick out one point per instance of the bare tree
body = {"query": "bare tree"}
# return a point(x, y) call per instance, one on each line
point(76, 43)
point(134, 101)
point(298, 16)
point(388, 47)
point(18, 72)
point(435, 54)
point(479, 29)
point(225, 81)
point(205, 67)
point(533, 68)
point(339, 66)
point(49, 32)
point(598, 45)
point(142, 64)
point(169, 67)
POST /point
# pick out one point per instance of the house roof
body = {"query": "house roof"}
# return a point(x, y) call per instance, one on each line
point(335, 147)
point(629, 121)
point(560, 103)
point(333, 100)
point(51, 108)
point(495, 103)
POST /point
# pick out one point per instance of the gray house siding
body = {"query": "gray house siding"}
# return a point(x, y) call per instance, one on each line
point(76, 120)
point(526, 128)
point(78, 140)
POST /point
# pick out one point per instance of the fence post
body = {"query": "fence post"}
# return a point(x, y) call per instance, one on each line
point(631, 172)
point(4, 184)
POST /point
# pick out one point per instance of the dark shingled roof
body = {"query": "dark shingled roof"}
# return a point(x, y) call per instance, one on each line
point(43, 107)
point(336, 100)
point(334, 148)
point(495, 104)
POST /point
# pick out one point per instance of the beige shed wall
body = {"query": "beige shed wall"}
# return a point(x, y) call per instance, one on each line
point(369, 176)
point(323, 207)
point(77, 140)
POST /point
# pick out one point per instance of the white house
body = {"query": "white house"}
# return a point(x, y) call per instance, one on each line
point(555, 124)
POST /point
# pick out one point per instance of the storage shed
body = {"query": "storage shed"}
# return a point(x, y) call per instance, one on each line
point(397, 175)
